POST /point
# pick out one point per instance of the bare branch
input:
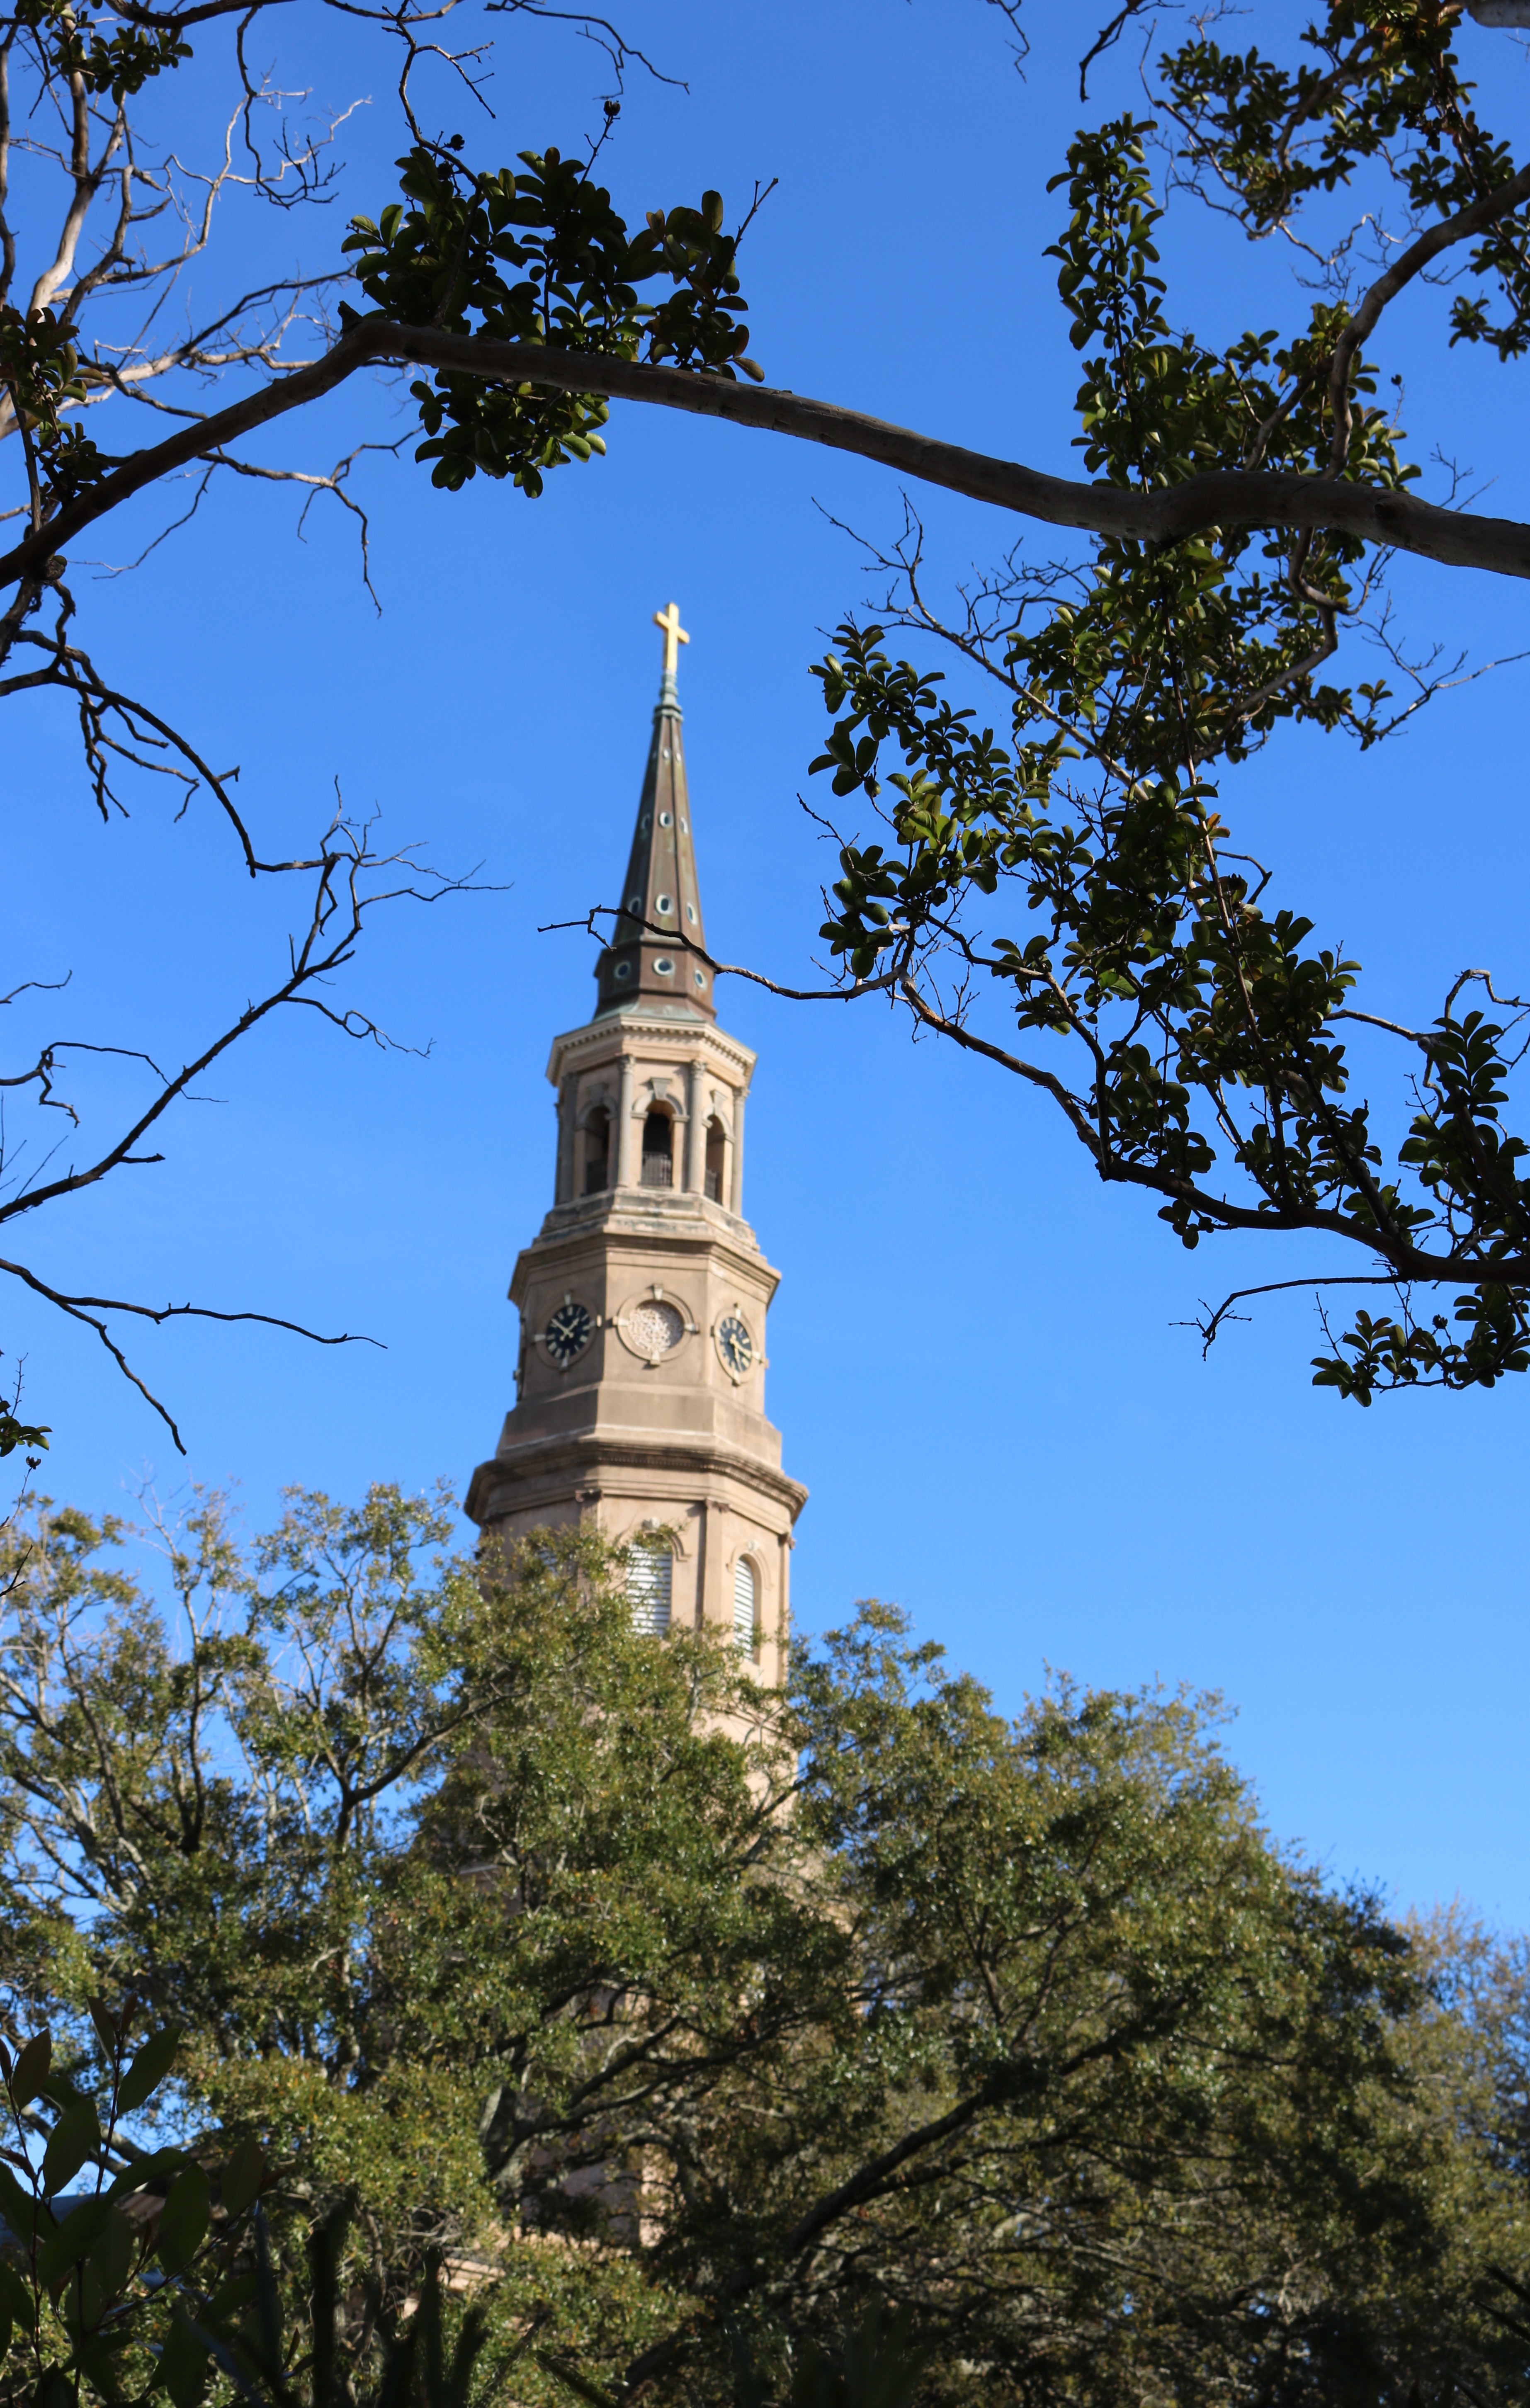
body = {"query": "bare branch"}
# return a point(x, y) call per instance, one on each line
point(1106, 40)
point(845, 994)
point(89, 1308)
point(598, 30)
point(1501, 202)
point(1209, 1326)
point(340, 902)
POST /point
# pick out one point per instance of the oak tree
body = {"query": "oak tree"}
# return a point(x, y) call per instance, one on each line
point(679, 2021)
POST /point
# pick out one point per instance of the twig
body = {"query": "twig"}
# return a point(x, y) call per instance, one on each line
point(76, 1307)
point(1272, 1287)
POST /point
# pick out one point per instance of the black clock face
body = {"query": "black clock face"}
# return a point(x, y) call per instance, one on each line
point(735, 1345)
point(567, 1332)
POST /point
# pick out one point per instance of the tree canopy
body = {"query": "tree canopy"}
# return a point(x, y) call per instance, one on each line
point(683, 2020)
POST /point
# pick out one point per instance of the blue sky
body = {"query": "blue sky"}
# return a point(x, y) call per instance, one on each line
point(978, 1356)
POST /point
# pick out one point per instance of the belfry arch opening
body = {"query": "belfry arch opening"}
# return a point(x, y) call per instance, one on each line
point(597, 1149)
point(717, 1160)
point(658, 1149)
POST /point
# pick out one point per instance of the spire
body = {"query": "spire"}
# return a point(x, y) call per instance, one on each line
point(649, 957)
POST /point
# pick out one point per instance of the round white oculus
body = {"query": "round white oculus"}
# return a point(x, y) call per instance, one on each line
point(654, 1327)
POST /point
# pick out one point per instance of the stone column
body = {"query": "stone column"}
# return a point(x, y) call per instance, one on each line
point(563, 1187)
point(705, 1548)
point(737, 1181)
point(696, 1131)
point(784, 1604)
point(712, 1603)
point(620, 1175)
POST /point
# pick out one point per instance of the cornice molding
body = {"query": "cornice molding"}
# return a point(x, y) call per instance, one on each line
point(570, 1467)
point(617, 1032)
point(688, 1237)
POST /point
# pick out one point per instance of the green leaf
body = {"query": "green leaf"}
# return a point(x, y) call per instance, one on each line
point(183, 2370)
point(242, 2177)
point(16, 2303)
point(229, 2296)
point(185, 2218)
point(147, 2169)
point(75, 2137)
point(27, 1434)
point(94, 2359)
point(148, 2068)
point(18, 2206)
point(75, 2236)
point(112, 2253)
point(32, 2068)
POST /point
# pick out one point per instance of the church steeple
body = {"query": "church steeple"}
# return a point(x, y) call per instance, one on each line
point(640, 1399)
point(649, 954)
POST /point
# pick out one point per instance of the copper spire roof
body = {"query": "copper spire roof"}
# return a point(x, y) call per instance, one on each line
point(649, 958)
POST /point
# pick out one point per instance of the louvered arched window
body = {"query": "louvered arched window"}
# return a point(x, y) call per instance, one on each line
point(649, 1576)
point(746, 1605)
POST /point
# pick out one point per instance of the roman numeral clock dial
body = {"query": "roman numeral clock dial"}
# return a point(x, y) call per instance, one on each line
point(568, 1332)
point(735, 1346)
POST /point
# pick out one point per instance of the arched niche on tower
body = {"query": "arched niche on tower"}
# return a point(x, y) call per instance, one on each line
point(594, 1147)
point(658, 1150)
point(716, 1183)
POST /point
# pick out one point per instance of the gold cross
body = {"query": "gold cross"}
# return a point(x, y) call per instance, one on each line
point(675, 634)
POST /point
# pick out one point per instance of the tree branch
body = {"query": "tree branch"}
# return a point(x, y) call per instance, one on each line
point(723, 969)
point(340, 904)
point(1223, 498)
point(78, 1308)
point(1210, 1327)
point(1501, 202)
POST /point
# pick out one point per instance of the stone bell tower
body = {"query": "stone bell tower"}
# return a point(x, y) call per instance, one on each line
point(640, 1388)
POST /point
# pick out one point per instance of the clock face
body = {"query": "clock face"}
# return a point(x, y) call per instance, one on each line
point(568, 1332)
point(735, 1345)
